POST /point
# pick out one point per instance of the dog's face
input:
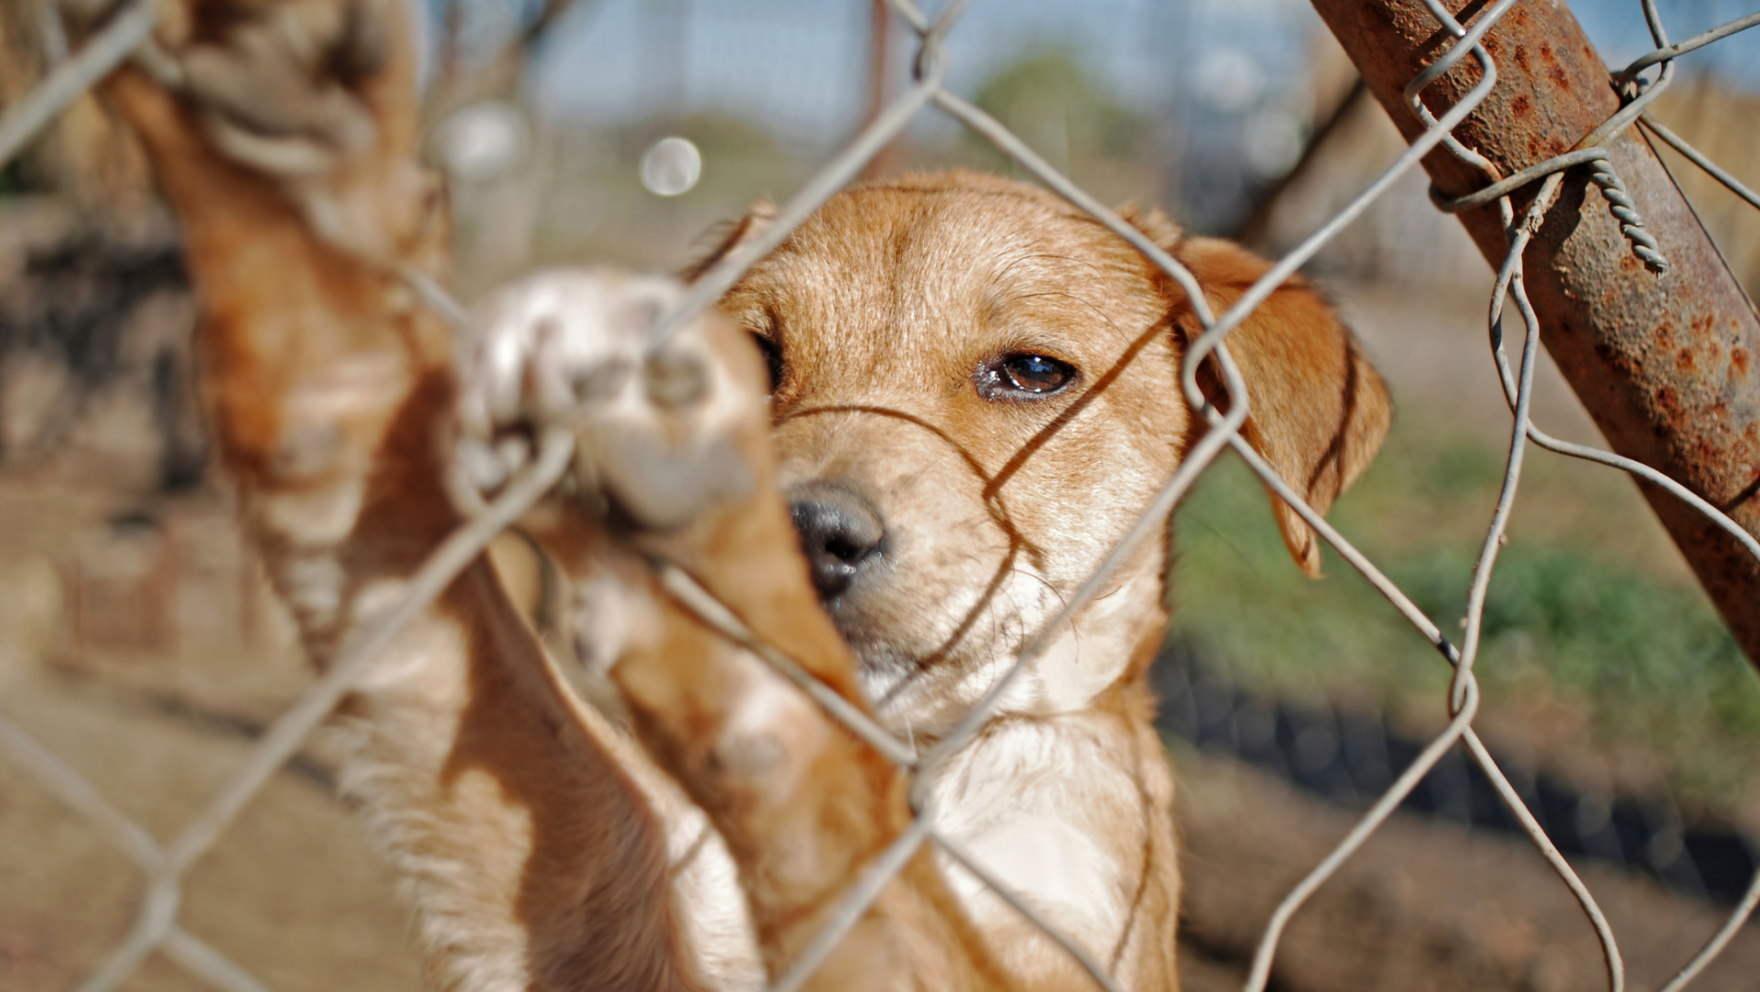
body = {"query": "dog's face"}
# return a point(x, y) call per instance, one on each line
point(975, 396)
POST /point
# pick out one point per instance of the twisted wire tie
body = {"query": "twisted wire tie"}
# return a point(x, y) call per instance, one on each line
point(1625, 211)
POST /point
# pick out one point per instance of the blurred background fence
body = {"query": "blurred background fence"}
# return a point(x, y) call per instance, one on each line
point(137, 641)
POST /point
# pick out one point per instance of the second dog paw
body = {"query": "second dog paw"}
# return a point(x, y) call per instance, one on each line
point(652, 428)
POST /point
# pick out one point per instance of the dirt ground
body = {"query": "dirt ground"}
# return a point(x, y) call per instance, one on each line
point(290, 893)
point(1423, 906)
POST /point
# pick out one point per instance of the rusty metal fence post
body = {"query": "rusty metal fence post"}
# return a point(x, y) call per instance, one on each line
point(1667, 363)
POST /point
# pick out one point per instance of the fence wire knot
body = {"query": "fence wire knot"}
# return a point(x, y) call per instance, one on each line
point(1630, 224)
point(1601, 173)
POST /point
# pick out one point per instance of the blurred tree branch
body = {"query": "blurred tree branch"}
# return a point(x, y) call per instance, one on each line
point(457, 84)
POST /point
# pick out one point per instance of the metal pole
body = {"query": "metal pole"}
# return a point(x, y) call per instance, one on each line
point(1668, 365)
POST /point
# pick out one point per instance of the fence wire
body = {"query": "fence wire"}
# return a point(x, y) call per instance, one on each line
point(1346, 754)
point(127, 35)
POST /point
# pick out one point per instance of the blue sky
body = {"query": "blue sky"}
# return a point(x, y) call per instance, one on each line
point(803, 67)
point(800, 66)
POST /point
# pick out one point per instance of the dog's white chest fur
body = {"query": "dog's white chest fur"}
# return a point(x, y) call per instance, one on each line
point(1017, 801)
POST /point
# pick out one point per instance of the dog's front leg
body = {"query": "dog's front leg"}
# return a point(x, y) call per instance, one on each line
point(287, 150)
point(674, 495)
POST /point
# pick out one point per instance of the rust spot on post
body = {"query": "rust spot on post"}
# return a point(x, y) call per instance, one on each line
point(1668, 400)
point(1635, 353)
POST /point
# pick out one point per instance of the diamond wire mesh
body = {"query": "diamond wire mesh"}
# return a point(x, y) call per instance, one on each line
point(128, 36)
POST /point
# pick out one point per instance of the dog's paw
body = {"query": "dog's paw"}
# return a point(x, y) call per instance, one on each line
point(654, 432)
point(317, 98)
point(281, 87)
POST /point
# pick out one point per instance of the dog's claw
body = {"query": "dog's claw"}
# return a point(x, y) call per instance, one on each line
point(570, 348)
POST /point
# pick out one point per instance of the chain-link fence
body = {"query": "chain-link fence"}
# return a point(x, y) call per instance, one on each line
point(1349, 755)
point(128, 36)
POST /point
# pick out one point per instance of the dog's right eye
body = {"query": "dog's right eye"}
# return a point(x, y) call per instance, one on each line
point(772, 360)
point(1024, 376)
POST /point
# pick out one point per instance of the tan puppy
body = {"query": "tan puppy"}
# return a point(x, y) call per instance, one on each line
point(974, 390)
point(976, 393)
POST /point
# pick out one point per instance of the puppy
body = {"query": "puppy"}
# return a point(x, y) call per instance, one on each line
point(974, 395)
point(971, 392)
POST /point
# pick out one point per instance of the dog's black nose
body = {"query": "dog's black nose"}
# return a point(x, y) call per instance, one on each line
point(839, 532)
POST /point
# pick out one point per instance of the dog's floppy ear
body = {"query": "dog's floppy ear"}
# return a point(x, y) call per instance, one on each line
point(1319, 411)
point(730, 236)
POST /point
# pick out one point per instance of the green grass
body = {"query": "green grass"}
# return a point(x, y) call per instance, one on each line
point(1574, 613)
